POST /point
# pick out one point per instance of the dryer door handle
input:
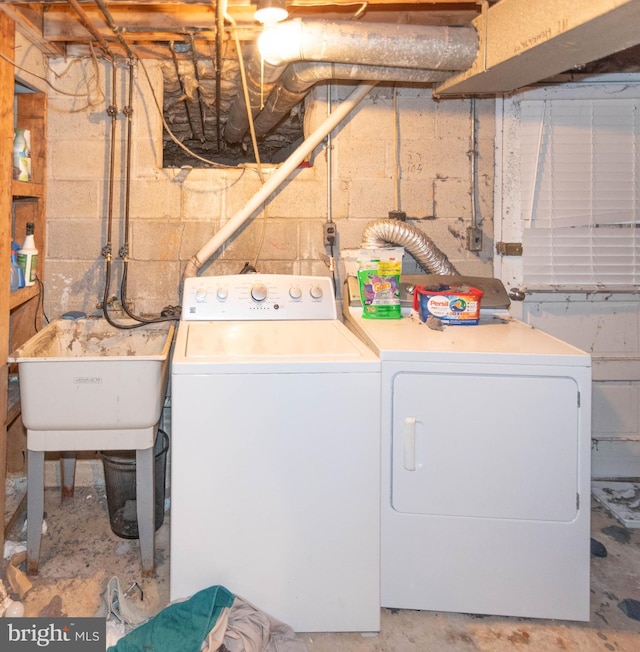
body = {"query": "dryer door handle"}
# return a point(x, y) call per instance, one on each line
point(409, 436)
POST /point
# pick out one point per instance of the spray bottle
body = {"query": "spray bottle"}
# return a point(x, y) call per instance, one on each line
point(28, 256)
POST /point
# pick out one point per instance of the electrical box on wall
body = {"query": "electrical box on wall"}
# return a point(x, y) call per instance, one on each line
point(474, 238)
point(330, 234)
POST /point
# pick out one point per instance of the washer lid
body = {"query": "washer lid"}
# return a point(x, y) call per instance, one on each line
point(281, 344)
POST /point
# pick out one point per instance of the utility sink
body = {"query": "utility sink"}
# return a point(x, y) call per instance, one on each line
point(93, 384)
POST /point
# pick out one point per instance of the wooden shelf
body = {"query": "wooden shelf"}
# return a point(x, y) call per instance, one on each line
point(22, 295)
point(21, 203)
point(27, 190)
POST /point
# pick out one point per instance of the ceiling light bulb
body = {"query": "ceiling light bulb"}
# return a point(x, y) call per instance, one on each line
point(271, 11)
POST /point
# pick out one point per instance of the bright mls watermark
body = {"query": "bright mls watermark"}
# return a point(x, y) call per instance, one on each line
point(53, 634)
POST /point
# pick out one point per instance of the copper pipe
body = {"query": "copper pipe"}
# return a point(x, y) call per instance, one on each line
point(114, 28)
point(84, 19)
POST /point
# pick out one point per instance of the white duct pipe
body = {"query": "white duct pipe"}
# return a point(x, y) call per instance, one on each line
point(301, 76)
point(425, 47)
point(298, 78)
point(284, 90)
point(261, 78)
point(378, 52)
point(278, 177)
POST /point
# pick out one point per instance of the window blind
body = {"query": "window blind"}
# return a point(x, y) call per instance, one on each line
point(580, 203)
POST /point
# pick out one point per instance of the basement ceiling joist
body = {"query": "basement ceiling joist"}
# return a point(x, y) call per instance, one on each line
point(521, 42)
point(29, 22)
point(55, 24)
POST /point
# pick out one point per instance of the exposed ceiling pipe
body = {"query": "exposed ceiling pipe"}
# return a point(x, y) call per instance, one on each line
point(86, 23)
point(260, 80)
point(183, 92)
point(194, 60)
point(423, 47)
point(102, 5)
point(279, 176)
point(298, 78)
point(367, 46)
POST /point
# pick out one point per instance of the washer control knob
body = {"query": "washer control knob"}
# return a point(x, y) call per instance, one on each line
point(259, 292)
point(316, 292)
point(222, 293)
point(201, 294)
point(295, 292)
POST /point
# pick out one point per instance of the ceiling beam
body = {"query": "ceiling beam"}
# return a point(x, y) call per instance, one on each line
point(147, 22)
point(523, 42)
point(231, 3)
point(28, 21)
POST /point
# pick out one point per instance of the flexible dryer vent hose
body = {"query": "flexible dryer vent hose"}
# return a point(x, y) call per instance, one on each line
point(415, 242)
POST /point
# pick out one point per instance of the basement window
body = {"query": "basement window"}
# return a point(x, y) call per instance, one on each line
point(197, 119)
point(579, 189)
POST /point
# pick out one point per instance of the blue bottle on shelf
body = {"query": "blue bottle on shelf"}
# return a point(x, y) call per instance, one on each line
point(17, 273)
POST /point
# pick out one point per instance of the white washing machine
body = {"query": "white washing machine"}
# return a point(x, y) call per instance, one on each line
point(485, 465)
point(276, 452)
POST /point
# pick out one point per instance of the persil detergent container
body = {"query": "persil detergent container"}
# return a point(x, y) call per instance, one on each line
point(456, 305)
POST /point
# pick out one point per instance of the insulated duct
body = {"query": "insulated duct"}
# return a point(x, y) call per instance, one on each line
point(298, 78)
point(384, 232)
point(421, 47)
point(260, 80)
point(379, 52)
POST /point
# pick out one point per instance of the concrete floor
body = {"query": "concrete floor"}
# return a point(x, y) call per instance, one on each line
point(80, 553)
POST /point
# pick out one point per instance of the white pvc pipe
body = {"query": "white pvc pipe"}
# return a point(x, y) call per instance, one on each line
point(280, 175)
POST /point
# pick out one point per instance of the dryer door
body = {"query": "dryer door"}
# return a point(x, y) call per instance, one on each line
point(485, 445)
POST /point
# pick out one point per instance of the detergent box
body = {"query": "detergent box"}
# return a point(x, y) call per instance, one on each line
point(457, 305)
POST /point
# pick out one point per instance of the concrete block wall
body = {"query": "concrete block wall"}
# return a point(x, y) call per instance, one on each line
point(173, 212)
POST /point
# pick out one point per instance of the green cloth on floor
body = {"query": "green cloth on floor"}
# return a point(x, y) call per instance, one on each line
point(180, 626)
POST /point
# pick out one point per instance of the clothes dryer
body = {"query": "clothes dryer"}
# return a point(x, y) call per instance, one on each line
point(485, 469)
